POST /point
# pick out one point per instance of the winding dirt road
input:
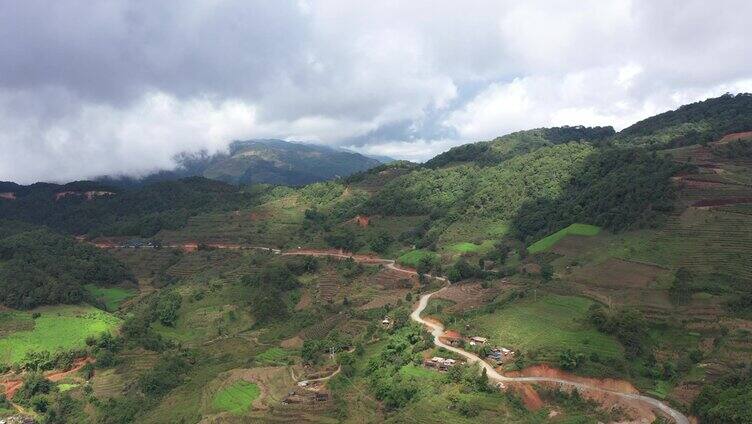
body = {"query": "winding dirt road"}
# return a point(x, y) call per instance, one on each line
point(437, 330)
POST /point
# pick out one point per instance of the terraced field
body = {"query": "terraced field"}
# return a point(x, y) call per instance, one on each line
point(237, 397)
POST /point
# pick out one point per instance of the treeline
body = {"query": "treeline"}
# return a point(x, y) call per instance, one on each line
point(39, 267)
point(694, 123)
point(138, 212)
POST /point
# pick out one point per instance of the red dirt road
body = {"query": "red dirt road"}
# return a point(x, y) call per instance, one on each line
point(12, 386)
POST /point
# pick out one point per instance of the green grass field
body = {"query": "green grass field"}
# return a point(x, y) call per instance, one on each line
point(58, 327)
point(414, 257)
point(274, 356)
point(467, 247)
point(574, 230)
point(112, 297)
point(237, 397)
point(548, 324)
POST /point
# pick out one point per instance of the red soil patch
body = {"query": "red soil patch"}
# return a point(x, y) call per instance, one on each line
point(12, 386)
point(722, 201)
point(362, 220)
point(735, 136)
point(8, 195)
point(548, 371)
point(62, 194)
point(189, 247)
point(530, 397)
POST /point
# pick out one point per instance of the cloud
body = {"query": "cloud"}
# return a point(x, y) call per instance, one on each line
point(121, 86)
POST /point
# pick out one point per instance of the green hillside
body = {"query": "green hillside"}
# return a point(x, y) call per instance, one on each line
point(588, 253)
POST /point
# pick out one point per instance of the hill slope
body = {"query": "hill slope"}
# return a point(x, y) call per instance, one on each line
point(264, 161)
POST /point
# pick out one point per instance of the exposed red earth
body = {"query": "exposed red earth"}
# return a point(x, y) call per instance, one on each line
point(8, 195)
point(12, 386)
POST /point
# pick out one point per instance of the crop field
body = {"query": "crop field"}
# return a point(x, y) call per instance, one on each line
point(413, 258)
point(58, 327)
point(112, 297)
point(237, 397)
point(575, 229)
point(474, 230)
point(467, 247)
point(548, 324)
point(274, 356)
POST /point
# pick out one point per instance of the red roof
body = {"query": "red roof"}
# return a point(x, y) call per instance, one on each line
point(452, 335)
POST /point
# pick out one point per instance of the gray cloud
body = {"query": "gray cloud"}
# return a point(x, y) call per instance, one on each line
point(121, 86)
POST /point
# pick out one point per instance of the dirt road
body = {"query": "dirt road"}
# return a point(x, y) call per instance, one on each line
point(437, 330)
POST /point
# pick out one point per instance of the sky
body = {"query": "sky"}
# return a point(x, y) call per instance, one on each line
point(119, 87)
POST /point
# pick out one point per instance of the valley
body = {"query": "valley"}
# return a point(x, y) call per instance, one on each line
point(563, 275)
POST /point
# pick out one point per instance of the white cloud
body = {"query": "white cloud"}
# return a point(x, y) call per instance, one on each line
point(90, 88)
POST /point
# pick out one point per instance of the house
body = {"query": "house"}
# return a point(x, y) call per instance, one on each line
point(452, 338)
point(478, 340)
point(386, 322)
point(500, 354)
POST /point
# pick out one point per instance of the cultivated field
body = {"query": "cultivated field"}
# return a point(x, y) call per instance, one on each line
point(57, 327)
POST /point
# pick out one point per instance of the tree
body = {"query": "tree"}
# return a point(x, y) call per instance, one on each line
point(380, 242)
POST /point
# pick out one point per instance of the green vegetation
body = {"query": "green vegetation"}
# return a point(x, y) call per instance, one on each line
point(544, 326)
point(237, 397)
point(42, 268)
point(56, 328)
point(574, 230)
point(417, 258)
point(111, 297)
point(728, 400)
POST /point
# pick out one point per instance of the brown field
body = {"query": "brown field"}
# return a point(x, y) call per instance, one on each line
point(573, 245)
point(468, 296)
point(618, 273)
point(386, 297)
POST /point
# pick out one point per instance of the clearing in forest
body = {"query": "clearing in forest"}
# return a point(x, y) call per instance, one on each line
point(575, 229)
point(111, 297)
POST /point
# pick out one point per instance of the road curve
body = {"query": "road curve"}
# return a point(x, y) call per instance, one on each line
point(437, 329)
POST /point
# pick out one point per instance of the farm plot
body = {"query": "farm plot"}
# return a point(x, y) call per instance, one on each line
point(237, 397)
point(111, 297)
point(546, 243)
point(57, 327)
point(414, 257)
point(618, 273)
point(468, 296)
point(547, 324)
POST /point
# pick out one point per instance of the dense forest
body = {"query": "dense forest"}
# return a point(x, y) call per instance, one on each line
point(136, 212)
point(699, 122)
point(38, 267)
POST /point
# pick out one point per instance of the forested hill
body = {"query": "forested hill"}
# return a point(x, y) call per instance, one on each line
point(518, 143)
point(90, 208)
point(263, 161)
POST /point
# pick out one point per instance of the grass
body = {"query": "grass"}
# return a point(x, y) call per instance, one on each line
point(413, 258)
point(112, 297)
point(64, 387)
point(58, 327)
point(575, 230)
point(274, 356)
point(467, 247)
point(547, 324)
point(237, 397)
